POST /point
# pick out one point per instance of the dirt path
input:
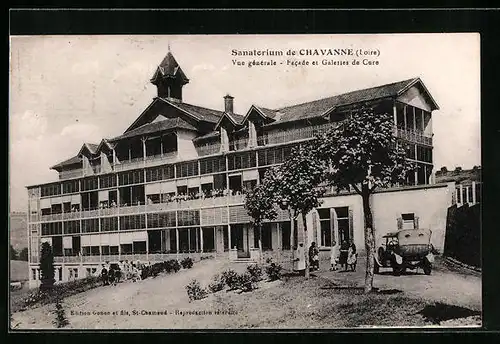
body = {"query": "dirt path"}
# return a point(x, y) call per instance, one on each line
point(453, 286)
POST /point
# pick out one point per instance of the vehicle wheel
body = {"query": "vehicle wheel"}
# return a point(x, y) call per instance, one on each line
point(427, 269)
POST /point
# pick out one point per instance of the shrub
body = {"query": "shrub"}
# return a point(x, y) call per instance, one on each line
point(230, 277)
point(187, 263)
point(195, 291)
point(255, 271)
point(172, 265)
point(269, 260)
point(217, 284)
point(273, 271)
point(246, 282)
point(61, 320)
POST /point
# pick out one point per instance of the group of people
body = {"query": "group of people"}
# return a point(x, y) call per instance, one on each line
point(111, 274)
point(345, 256)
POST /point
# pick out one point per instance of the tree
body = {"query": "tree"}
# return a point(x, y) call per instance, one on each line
point(295, 186)
point(363, 153)
point(13, 253)
point(23, 255)
point(46, 266)
point(260, 206)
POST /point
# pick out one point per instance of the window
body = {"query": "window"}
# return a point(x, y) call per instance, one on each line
point(160, 173)
point(400, 115)
point(139, 247)
point(187, 169)
point(71, 227)
point(133, 222)
point(189, 239)
point(131, 177)
point(89, 184)
point(107, 181)
point(182, 190)
point(409, 117)
point(213, 165)
point(424, 154)
point(188, 217)
point(209, 239)
point(90, 225)
point(33, 274)
point(52, 228)
point(95, 250)
point(50, 190)
point(109, 224)
point(71, 186)
point(285, 235)
point(421, 175)
point(266, 237)
point(242, 160)
point(408, 220)
point(126, 248)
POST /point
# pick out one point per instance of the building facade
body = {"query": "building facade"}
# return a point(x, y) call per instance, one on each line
point(173, 183)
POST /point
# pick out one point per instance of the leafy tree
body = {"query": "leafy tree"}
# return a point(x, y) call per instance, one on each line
point(260, 205)
point(23, 255)
point(13, 253)
point(46, 266)
point(295, 186)
point(363, 153)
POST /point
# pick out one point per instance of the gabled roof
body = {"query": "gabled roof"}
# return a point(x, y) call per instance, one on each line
point(91, 147)
point(195, 112)
point(103, 143)
point(235, 119)
point(167, 124)
point(201, 113)
point(265, 113)
point(323, 106)
point(71, 161)
point(169, 68)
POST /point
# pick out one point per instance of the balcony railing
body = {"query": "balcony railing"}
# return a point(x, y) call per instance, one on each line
point(71, 174)
point(413, 136)
point(290, 135)
point(208, 202)
point(208, 149)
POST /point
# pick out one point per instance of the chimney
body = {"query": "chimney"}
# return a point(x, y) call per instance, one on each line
point(228, 104)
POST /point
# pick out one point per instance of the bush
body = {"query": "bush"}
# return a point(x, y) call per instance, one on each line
point(172, 265)
point(195, 291)
point(246, 282)
point(61, 320)
point(255, 271)
point(273, 271)
point(230, 277)
point(187, 263)
point(58, 291)
point(217, 284)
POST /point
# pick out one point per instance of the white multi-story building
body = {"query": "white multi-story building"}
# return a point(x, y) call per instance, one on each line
point(173, 183)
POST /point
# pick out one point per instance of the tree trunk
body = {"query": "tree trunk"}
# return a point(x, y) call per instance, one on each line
point(292, 232)
point(369, 240)
point(306, 246)
point(260, 243)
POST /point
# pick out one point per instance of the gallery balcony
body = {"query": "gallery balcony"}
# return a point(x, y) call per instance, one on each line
point(414, 136)
point(178, 204)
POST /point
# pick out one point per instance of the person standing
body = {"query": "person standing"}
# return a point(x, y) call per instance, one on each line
point(104, 275)
point(334, 256)
point(344, 250)
point(314, 257)
point(352, 255)
point(300, 260)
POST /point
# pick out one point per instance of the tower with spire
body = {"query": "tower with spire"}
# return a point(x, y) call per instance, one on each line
point(169, 78)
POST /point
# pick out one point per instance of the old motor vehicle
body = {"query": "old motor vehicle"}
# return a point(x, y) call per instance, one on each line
point(406, 249)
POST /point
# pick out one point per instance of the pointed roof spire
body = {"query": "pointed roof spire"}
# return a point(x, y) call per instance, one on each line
point(169, 68)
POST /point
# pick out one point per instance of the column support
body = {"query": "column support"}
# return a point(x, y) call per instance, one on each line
point(201, 239)
point(473, 190)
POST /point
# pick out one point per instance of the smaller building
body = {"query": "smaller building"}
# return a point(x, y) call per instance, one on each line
point(467, 184)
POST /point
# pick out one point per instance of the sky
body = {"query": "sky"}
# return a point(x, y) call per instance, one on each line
point(67, 90)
